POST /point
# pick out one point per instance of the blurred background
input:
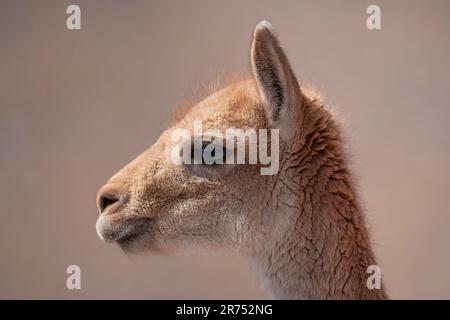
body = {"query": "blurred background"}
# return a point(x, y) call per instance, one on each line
point(75, 106)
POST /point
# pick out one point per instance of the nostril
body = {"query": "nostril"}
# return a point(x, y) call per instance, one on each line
point(106, 201)
point(111, 197)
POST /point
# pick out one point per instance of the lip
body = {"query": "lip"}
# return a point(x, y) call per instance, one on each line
point(134, 235)
point(122, 232)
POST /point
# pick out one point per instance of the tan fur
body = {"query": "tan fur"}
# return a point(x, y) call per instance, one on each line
point(302, 228)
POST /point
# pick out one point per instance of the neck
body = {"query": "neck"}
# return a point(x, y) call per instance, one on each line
point(319, 247)
point(316, 259)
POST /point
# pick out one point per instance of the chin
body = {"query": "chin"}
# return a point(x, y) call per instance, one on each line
point(138, 243)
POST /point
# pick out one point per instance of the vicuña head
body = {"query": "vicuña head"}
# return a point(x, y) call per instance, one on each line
point(301, 226)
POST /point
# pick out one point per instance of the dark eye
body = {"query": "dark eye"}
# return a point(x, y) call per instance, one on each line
point(208, 155)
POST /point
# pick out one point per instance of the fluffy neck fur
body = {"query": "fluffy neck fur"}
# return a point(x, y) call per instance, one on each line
point(319, 248)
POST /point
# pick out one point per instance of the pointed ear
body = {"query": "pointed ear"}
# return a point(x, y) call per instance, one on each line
point(277, 85)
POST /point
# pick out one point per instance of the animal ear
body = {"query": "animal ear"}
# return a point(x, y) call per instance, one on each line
point(277, 85)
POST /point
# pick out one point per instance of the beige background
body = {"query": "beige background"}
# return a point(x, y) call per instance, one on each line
point(75, 106)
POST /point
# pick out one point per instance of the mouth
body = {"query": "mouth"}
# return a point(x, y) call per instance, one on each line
point(132, 236)
point(123, 233)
